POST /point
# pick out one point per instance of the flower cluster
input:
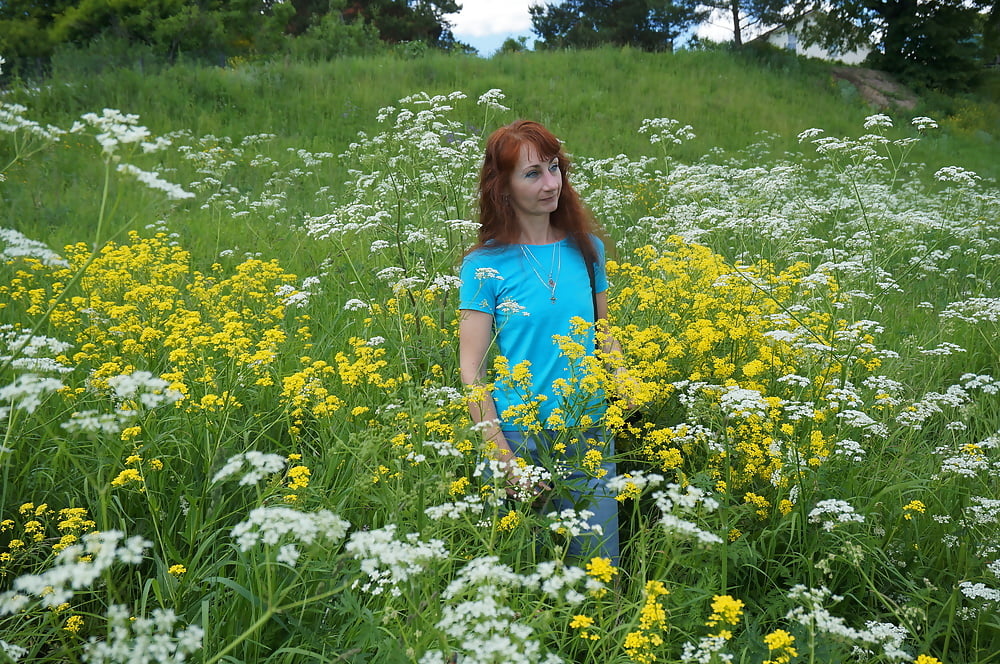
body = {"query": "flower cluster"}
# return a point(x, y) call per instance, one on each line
point(76, 567)
point(390, 562)
point(271, 526)
point(642, 644)
point(158, 639)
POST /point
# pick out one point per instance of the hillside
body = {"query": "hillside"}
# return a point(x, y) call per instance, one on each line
point(595, 100)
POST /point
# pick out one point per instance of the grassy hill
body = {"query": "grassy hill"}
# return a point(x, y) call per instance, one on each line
point(595, 100)
point(246, 363)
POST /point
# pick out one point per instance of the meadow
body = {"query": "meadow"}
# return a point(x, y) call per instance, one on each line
point(233, 429)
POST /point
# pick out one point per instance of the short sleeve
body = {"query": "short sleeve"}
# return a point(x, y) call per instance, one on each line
point(600, 268)
point(479, 285)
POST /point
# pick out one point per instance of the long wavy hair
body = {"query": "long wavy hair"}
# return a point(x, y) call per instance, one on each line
point(497, 219)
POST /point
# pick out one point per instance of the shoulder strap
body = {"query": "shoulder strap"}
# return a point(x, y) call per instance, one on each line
point(593, 286)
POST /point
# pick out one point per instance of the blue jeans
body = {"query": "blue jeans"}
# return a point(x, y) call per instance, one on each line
point(580, 490)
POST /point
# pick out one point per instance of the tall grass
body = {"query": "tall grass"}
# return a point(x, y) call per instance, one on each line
point(255, 375)
point(595, 99)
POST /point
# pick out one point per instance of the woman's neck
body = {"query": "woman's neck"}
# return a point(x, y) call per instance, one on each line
point(541, 232)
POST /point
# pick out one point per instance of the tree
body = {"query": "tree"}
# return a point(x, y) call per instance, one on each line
point(24, 26)
point(747, 14)
point(514, 45)
point(30, 30)
point(933, 43)
point(400, 21)
point(651, 25)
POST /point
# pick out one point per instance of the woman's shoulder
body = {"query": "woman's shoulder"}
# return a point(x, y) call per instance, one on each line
point(486, 255)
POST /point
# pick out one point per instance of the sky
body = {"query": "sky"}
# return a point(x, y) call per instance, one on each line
point(485, 24)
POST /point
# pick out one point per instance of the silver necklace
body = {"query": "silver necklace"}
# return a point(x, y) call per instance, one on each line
point(556, 264)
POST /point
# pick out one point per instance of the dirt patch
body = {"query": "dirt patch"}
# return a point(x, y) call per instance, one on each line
point(877, 88)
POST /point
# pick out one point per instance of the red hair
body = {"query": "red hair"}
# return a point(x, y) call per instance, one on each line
point(497, 221)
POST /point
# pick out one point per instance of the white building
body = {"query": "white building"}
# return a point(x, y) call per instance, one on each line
point(787, 37)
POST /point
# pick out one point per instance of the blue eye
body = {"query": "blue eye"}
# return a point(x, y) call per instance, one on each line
point(554, 168)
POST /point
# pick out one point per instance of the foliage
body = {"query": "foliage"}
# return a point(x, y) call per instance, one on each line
point(32, 31)
point(935, 44)
point(650, 25)
point(232, 411)
point(514, 45)
point(400, 21)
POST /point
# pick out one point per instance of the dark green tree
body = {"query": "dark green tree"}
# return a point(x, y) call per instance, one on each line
point(24, 26)
point(651, 25)
point(931, 43)
point(400, 21)
point(514, 45)
point(30, 30)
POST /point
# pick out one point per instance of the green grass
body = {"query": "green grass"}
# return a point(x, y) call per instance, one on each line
point(825, 282)
point(594, 100)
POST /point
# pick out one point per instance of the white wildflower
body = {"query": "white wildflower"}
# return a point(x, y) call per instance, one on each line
point(878, 120)
point(151, 391)
point(156, 640)
point(14, 652)
point(271, 526)
point(511, 308)
point(28, 390)
point(356, 305)
point(259, 465)
point(17, 245)
point(832, 512)
point(76, 567)
point(673, 501)
point(742, 402)
point(491, 99)
point(389, 562)
point(637, 479)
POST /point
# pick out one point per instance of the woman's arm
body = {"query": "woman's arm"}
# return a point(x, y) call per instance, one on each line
point(475, 333)
point(609, 344)
point(627, 385)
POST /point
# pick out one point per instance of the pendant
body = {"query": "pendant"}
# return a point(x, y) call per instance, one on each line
point(553, 299)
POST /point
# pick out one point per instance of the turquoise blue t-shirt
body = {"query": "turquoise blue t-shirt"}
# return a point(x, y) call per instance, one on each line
point(527, 312)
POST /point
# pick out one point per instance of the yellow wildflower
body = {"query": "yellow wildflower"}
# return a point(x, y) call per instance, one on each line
point(592, 463)
point(584, 623)
point(779, 644)
point(510, 521)
point(725, 609)
point(913, 506)
point(298, 477)
point(126, 476)
point(601, 569)
point(73, 624)
point(459, 486)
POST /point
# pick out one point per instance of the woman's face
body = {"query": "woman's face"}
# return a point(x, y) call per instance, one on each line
point(535, 185)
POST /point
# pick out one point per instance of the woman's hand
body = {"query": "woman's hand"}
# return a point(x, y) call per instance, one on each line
point(626, 387)
point(521, 485)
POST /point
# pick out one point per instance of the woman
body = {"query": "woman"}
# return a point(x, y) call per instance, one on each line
point(523, 284)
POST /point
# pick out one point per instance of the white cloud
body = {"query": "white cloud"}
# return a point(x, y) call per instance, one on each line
point(480, 18)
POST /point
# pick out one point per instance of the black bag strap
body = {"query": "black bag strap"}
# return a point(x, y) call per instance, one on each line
point(593, 286)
